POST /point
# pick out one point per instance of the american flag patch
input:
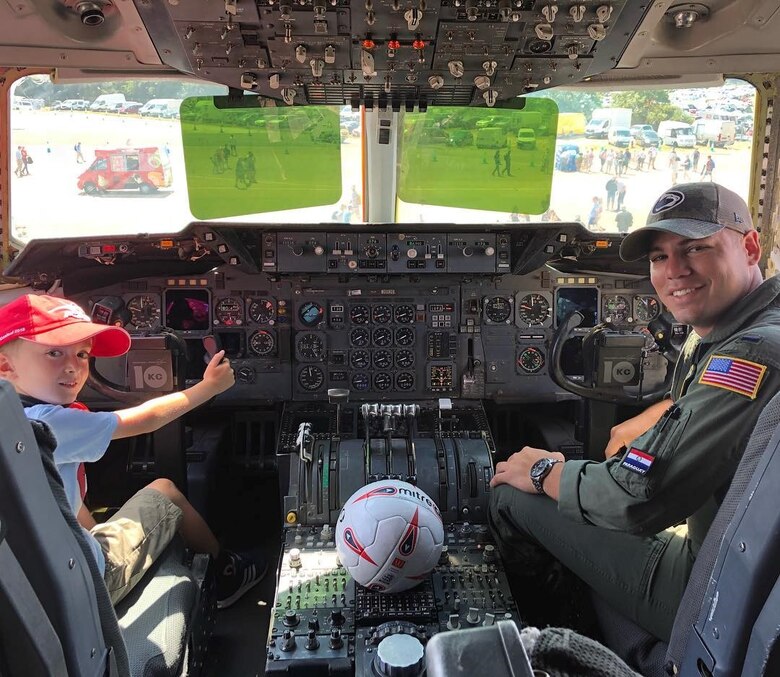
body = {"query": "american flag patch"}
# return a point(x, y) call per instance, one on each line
point(734, 374)
point(637, 461)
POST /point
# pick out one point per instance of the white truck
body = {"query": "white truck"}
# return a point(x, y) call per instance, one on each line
point(718, 133)
point(676, 134)
point(105, 101)
point(604, 119)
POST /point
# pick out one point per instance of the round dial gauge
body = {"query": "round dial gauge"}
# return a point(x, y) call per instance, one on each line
point(310, 346)
point(311, 378)
point(144, 311)
point(383, 337)
point(261, 311)
point(530, 360)
point(404, 336)
point(229, 312)
point(616, 308)
point(404, 314)
point(382, 359)
point(646, 308)
point(359, 337)
point(311, 313)
point(361, 381)
point(262, 342)
point(498, 309)
point(382, 314)
point(382, 380)
point(404, 359)
point(359, 314)
point(534, 309)
point(360, 359)
point(404, 381)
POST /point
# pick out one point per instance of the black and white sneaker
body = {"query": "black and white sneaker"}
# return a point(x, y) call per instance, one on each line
point(236, 575)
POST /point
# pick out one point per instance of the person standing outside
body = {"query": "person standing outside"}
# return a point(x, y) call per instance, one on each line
point(623, 220)
point(611, 186)
point(79, 157)
point(613, 523)
point(709, 166)
point(695, 157)
point(621, 194)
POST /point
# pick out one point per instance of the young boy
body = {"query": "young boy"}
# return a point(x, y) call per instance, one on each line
point(45, 346)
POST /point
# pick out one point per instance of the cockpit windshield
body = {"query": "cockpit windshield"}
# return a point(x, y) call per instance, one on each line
point(134, 156)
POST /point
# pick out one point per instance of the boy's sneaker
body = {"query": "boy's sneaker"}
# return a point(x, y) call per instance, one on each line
point(236, 575)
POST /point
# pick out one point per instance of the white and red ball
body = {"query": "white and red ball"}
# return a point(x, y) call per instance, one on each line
point(389, 535)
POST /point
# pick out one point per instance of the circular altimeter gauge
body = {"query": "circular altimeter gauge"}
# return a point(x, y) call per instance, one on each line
point(530, 360)
point(311, 378)
point(404, 359)
point(383, 359)
point(404, 336)
point(359, 314)
point(360, 359)
point(310, 346)
point(382, 380)
point(498, 309)
point(404, 381)
point(382, 337)
point(311, 313)
point(534, 309)
point(617, 309)
point(359, 337)
point(229, 312)
point(262, 342)
point(144, 311)
point(404, 314)
point(382, 314)
point(646, 308)
point(260, 311)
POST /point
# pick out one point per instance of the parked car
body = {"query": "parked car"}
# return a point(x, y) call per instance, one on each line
point(526, 139)
point(636, 130)
point(620, 136)
point(130, 107)
point(648, 138)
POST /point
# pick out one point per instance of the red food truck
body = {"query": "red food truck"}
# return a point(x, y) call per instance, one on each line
point(141, 169)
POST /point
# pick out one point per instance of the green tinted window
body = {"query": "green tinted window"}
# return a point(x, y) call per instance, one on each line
point(251, 160)
point(491, 159)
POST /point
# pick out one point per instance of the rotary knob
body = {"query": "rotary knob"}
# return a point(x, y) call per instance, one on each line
point(326, 534)
point(411, 253)
point(295, 558)
point(336, 617)
point(246, 375)
point(319, 250)
point(489, 251)
point(288, 641)
point(291, 618)
point(489, 553)
point(399, 656)
point(297, 250)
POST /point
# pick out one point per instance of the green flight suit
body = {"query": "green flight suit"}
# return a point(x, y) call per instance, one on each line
point(623, 532)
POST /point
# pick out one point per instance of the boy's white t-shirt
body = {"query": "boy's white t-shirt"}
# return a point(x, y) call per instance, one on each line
point(82, 437)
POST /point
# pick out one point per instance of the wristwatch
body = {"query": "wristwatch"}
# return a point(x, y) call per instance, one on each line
point(540, 470)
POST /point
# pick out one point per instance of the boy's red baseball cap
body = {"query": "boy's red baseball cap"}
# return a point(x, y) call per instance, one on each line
point(58, 322)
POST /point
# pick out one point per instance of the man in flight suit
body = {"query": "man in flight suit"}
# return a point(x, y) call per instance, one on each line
point(631, 526)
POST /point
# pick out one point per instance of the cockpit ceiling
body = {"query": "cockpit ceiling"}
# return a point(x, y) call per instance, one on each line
point(394, 53)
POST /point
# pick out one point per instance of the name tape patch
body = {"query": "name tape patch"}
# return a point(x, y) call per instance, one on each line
point(637, 461)
point(734, 374)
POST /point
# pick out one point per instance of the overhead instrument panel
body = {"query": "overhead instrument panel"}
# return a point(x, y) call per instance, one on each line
point(391, 54)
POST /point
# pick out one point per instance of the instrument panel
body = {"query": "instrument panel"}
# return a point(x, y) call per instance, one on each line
point(466, 334)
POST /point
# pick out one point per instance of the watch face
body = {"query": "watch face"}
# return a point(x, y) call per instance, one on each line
point(539, 468)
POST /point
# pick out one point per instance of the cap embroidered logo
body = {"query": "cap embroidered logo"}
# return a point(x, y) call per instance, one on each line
point(668, 201)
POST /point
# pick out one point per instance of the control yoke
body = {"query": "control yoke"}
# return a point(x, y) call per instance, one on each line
point(612, 362)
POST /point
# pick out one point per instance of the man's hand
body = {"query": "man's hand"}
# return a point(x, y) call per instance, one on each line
point(516, 470)
point(219, 376)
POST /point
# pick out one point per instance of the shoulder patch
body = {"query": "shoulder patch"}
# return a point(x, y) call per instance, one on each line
point(751, 338)
point(733, 373)
point(637, 460)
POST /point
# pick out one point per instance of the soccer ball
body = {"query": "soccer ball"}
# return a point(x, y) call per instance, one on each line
point(389, 535)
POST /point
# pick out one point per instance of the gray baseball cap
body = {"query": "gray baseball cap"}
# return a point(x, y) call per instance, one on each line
point(691, 210)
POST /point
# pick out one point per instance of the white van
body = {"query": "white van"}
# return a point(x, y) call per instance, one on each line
point(106, 102)
point(619, 136)
point(676, 134)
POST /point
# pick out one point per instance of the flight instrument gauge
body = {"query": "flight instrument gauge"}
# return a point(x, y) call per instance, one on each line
point(261, 311)
point(262, 342)
point(359, 337)
point(359, 314)
point(382, 314)
point(144, 311)
point(404, 336)
point(382, 380)
point(404, 381)
point(311, 377)
point(404, 359)
point(404, 314)
point(310, 347)
point(383, 359)
point(616, 309)
point(383, 337)
point(534, 309)
point(228, 312)
point(530, 360)
point(646, 308)
point(311, 313)
point(498, 309)
point(361, 381)
point(360, 359)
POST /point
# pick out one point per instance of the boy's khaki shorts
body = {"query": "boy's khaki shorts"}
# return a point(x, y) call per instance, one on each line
point(134, 537)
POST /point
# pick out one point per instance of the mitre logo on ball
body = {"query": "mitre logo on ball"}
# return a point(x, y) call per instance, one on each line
point(389, 535)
